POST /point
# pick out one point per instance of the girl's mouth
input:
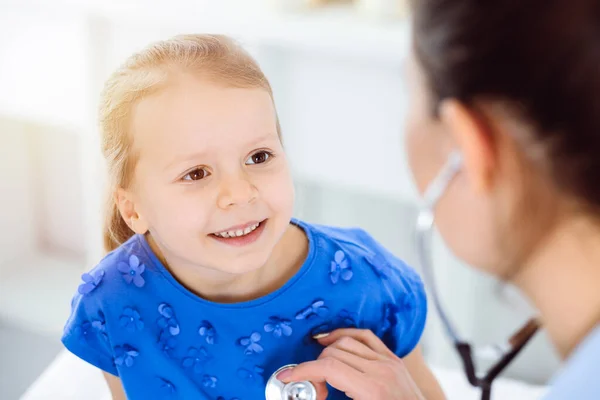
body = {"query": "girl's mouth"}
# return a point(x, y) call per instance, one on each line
point(241, 235)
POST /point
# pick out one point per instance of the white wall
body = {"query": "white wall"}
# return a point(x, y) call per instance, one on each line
point(42, 70)
point(17, 192)
point(57, 177)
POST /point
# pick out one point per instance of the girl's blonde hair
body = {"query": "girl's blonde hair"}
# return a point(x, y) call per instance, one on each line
point(216, 57)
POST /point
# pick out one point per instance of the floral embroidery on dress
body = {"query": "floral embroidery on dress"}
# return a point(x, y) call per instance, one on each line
point(390, 317)
point(90, 282)
point(196, 359)
point(340, 268)
point(167, 343)
point(131, 320)
point(100, 325)
point(278, 327)
point(169, 328)
point(208, 332)
point(316, 309)
point(392, 313)
point(125, 355)
point(250, 344)
point(132, 271)
point(83, 330)
point(167, 321)
point(209, 381)
point(407, 303)
point(346, 319)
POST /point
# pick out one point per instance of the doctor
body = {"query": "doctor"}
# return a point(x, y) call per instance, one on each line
point(504, 123)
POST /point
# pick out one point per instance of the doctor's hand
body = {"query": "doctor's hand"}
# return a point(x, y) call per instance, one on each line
point(359, 364)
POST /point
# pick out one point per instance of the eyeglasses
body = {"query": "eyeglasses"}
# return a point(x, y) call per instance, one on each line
point(503, 354)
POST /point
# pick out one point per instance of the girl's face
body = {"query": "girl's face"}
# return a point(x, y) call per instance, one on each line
point(212, 183)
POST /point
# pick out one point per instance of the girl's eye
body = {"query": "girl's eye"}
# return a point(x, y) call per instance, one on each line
point(259, 158)
point(195, 175)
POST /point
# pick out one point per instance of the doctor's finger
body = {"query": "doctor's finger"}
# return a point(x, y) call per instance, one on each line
point(333, 371)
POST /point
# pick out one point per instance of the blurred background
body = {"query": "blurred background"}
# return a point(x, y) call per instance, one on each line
point(336, 68)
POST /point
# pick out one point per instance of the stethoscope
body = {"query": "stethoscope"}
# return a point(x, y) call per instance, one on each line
point(504, 353)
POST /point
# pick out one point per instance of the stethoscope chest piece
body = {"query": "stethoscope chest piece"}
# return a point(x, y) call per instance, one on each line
point(277, 390)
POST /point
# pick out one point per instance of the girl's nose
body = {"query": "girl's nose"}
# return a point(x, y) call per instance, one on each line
point(236, 191)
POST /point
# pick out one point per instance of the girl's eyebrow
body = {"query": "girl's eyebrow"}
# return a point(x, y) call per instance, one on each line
point(184, 158)
point(263, 138)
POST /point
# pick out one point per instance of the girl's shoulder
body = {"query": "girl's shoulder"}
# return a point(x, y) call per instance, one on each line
point(101, 300)
point(359, 248)
point(391, 294)
point(128, 265)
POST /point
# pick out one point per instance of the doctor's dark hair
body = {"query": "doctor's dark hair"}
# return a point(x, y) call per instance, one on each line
point(539, 57)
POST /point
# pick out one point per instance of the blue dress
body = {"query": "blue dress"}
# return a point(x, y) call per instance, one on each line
point(133, 319)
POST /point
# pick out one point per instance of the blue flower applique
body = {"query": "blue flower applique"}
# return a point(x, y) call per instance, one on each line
point(250, 344)
point(90, 282)
point(166, 387)
point(99, 325)
point(407, 303)
point(390, 317)
point(132, 271)
point(125, 355)
point(340, 268)
point(346, 319)
point(84, 330)
point(196, 359)
point(169, 328)
point(208, 332)
point(392, 313)
point(167, 321)
point(209, 381)
point(131, 320)
point(167, 343)
point(316, 309)
point(278, 327)
point(253, 375)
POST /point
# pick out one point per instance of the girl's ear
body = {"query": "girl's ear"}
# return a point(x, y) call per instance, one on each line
point(127, 207)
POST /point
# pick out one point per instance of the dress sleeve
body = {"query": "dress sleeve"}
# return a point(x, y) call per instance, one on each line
point(85, 331)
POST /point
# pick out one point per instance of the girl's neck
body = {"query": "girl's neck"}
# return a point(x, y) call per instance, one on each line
point(286, 259)
point(562, 279)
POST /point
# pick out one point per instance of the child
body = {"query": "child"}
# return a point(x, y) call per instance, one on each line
point(210, 285)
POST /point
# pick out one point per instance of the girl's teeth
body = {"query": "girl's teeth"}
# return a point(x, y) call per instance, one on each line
point(238, 233)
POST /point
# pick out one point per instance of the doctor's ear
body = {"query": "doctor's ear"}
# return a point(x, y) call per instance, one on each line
point(475, 141)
